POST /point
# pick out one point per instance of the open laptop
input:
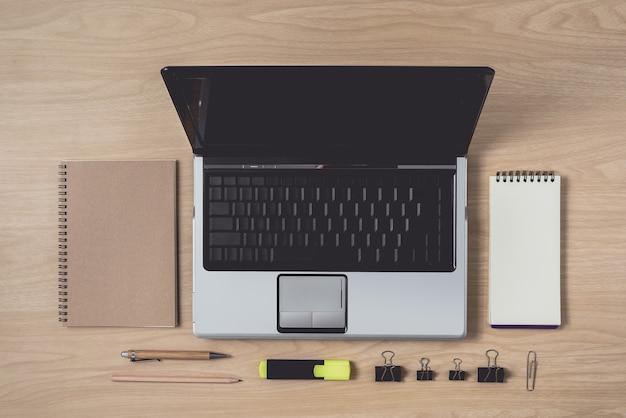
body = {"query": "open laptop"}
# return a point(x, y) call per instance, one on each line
point(329, 202)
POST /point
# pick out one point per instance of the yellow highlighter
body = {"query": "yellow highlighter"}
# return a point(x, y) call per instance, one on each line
point(305, 369)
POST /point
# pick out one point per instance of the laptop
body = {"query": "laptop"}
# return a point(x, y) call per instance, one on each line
point(329, 201)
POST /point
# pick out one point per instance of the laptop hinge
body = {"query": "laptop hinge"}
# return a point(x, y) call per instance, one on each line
point(327, 166)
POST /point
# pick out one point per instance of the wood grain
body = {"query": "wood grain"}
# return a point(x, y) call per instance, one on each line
point(80, 79)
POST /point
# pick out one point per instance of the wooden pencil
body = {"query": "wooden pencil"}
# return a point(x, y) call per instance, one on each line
point(173, 379)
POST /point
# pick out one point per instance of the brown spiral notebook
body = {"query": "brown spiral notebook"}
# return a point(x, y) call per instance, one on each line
point(117, 243)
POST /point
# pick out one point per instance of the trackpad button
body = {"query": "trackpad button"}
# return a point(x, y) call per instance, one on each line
point(329, 319)
point(296, 319)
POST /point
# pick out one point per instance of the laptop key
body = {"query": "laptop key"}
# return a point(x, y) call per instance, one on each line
point(241, 208)
point(219, 208)
point(262, 193)
point(250, 239)
point(221, 224)
point(230, 193)
point(247, 254)
point(262, 254)
point(223, 239)
point(216, 254)
point(293, 254)
point(215, 181)
point(215, 193)
point(231, 254)
point(247, 193)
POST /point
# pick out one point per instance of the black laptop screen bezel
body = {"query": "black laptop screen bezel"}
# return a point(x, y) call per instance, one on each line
point(328, 114)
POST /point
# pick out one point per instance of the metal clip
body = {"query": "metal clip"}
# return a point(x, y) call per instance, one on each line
point(531, 370)
point(425, 373)
point(388, 362)
point(457, 373)
point(132, 356)
point(491, 373)
point(388, 372)
point(495, 358)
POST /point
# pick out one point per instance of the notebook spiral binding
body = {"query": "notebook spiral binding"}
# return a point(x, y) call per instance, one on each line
point(62, 205)
point(524, 176)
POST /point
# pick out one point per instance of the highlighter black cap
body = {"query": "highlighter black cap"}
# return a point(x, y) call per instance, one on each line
point(305, 369)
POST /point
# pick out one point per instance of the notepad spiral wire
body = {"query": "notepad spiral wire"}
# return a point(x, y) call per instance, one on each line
point(62, 205)
point(524, 176)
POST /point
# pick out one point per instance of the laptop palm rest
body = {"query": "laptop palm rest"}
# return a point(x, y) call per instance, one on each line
point(312, 303)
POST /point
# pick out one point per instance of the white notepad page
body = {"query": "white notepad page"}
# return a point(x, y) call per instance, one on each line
point(524, 250)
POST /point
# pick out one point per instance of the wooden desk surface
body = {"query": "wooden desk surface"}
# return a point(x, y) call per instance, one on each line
point(80, 79)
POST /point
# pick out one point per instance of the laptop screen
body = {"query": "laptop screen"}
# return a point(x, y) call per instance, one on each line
point(369, 115)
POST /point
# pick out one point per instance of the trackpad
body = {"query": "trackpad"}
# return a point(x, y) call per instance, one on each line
point(312, 303)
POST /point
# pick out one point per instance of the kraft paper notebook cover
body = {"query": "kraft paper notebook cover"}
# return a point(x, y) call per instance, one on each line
point(524, 250)
point(117, 243)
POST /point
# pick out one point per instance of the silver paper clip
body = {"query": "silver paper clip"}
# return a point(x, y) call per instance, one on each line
point(531, 370)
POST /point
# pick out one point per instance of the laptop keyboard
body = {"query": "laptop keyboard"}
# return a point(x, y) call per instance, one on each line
point(329, 220)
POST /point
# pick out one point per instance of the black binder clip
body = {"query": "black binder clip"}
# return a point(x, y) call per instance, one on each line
point(425, 373)
point(491, 373)
point(388, 372)
point(457, 373)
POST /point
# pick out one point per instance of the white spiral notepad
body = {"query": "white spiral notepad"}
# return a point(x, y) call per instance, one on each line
point(524, 249)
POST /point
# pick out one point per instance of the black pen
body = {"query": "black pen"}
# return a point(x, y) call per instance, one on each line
point(144, 355)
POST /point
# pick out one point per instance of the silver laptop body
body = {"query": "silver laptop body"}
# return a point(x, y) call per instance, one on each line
point(329, 303)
